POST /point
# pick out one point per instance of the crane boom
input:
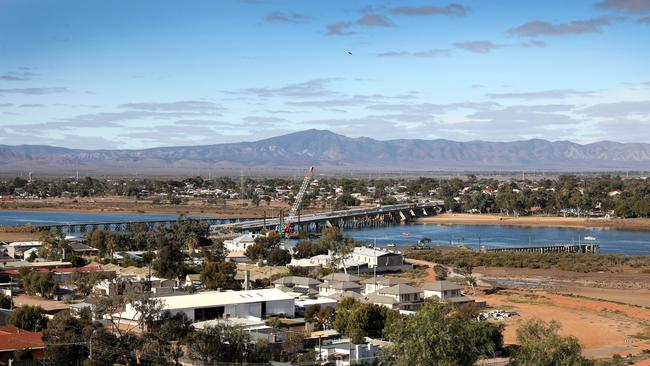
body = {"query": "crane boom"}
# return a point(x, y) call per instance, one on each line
point(301, 193)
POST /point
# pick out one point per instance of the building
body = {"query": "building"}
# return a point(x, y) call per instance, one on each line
point(17, 248)
point(445, 291)
point(345, 353)
point(240, 243)
point(380, 260)
point(303, 286)
point(335, 287)
point(336, 283)
point(375, 283)
point(405, 297)
point(12, 339)
point(210, 305)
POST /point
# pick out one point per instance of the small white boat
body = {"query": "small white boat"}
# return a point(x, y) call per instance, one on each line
point(406, 234)
point(589, 238)
point(391, 245)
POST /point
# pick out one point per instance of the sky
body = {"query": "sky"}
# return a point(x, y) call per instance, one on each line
point(139, 74)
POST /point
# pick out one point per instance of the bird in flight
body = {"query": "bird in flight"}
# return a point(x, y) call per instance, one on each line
point(349, 53)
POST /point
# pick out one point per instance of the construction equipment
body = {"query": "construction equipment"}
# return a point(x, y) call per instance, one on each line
point(298, 201)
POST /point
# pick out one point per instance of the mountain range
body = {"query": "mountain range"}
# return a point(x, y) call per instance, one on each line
point(333, 152)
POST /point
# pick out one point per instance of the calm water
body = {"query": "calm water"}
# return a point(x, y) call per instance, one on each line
point(495, 236)
point(10, 218)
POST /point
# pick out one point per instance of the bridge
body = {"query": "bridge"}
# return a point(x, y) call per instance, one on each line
point(346, 219)
point(84, 227)
point(314, 222)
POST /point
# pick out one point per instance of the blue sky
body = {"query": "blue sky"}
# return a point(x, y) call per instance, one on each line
point(137, 74)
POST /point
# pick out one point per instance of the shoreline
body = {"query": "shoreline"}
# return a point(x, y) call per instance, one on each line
point(536, 221)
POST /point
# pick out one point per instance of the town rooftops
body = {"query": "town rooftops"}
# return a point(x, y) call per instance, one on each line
point(216, 298)
point(440, 286)
point(399, 290)
point(12, 338)
point(296, 280)
point(385, 281)
point(340, 277)
point(340, 285)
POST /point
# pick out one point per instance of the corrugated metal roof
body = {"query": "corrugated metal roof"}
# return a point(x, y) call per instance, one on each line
point(216, 298)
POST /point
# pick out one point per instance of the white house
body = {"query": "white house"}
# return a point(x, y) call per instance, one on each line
point(375, 283)
point(406, 297)
point(445, 291)
point(381, 259)
point(240, 243)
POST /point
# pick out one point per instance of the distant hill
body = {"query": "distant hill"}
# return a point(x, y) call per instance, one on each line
point(332, 152)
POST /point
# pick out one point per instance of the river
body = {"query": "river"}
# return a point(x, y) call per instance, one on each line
point(494, 236)
point(497, 236)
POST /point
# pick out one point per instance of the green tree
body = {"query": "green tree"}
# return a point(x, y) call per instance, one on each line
point(27, 317)
point(220, 275)
point(541, 345)
point(53, 244)
point(38, 283)
point(437, 335)
point(169, 262)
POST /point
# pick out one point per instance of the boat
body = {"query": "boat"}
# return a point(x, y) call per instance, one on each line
point(391, 245)
point(406, 234)
point(589, 238)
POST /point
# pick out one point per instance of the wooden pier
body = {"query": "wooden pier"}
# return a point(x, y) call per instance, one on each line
point(559, 248)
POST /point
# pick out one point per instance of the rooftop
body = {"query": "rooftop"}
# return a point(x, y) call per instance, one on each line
point(399, 290)
point(441, 286)
point(340, 285)
point(216, 298)
point(370, 252)
point(296, 280)
point(12, 338)
point(341, 277)
point(386, 281)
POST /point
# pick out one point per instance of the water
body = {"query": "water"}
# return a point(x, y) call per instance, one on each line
point(495, 236)
point(11, 218)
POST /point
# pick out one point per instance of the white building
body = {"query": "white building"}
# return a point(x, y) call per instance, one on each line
point(375, 283)
point(230, 304)
point(381, 259)
point(240, 243)
point(445, 291)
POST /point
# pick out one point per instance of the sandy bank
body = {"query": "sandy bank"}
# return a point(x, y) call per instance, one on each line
point(536, 221)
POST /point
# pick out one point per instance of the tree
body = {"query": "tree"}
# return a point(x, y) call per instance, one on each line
point(302, 250)
point(223, 343)
point(437, 335)
point(220, 275)
point(278, 257)
point(169, 260)
point(322, 317)
point(6, 302)
point(64, 338)
point(357, 320)
point(38, 283)
point(53, 244)
point(541, 345)
point(31, 318)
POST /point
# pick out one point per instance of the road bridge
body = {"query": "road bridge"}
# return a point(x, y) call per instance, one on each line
point(314, 222)
point(558, 248)
point(346, 219)
point(84, 227)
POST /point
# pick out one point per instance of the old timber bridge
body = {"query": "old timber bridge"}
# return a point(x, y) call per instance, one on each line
point(353, 218)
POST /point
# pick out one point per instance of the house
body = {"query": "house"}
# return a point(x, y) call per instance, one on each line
point(445, 291)
point(328, 289)
point(403, 297)
point(17, 248)
point(345, 353)
point(240, 243)
point(230, 304)
point(12, 339)
point(82, 249)
point(375, 283)
point(303, 286)
point(379, 260)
